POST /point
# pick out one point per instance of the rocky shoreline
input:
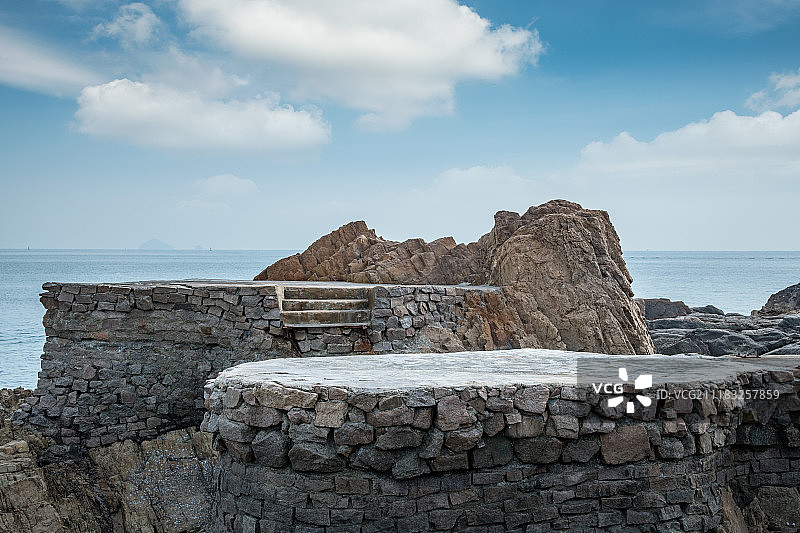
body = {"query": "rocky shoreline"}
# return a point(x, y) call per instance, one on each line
point(773, 330)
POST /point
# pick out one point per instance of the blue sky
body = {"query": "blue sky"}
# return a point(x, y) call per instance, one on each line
point(267, 123)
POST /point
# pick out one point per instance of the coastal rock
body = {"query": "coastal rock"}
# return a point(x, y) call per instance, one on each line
point(654, 308)
point(568, 262)
point(715, 334)
point(785, 302)
point(159, 485)
point(356, 254)
point(564, 282)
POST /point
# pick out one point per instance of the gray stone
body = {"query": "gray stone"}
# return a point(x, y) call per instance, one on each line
point(538, 449)
point(270, 448)
point(401, 416)
point(273, 395)
point(235, 431)
point(497, 451)
point(371, 458)
point(409, 465)
point(432, 443)
point(395, 438)
point(563, 426)
point(532, 399)
point(353, 434)
point(452, 413)
point(315, 457)
point(461, 440)
point(530, 426)
point(580, 451)
point(330, 414)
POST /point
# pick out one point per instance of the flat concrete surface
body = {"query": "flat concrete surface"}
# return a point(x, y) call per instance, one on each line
point(268, 283)
point(494, 368)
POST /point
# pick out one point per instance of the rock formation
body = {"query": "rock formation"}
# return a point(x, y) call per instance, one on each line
point(714, 334)
point(654, 308)
point(782, 302)
point(707, 330)
point(565, 284)
point(162, 485)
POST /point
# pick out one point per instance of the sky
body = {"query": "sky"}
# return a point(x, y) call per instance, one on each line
point(264, 124)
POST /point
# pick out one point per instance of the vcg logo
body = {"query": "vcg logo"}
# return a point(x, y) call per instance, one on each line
point(641, 383)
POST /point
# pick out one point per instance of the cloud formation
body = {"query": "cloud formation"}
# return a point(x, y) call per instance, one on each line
point(725, 145)
point(135, 26)
point(783, 93)
point(30, 64)
point(395, 60)
point(157, 116)
point(226, 185)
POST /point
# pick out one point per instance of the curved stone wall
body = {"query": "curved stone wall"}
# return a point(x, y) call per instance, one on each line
point(495, 441)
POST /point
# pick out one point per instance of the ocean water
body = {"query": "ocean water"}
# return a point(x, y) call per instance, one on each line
point(733, 281)
point(22, 273)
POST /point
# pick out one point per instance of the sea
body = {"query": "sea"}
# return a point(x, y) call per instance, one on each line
point(736, 282)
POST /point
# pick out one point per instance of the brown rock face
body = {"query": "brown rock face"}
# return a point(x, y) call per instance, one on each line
point(565, 284)
point(354, 253)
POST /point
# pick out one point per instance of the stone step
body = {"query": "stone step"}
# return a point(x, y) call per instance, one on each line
point(326, 318)
point(324, 305)
point(328, 292)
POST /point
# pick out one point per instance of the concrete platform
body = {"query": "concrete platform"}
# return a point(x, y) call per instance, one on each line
point(494, 368)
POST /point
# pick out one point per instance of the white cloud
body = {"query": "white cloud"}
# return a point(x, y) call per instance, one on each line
point(782, 93)
point(226, 185)
point(158, 116)
point(394, 60)
point(135, 25)
point(193, 72)
point(30, 64)
point(725, 145)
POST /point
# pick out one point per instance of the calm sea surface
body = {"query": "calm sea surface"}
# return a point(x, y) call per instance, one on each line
point(734, 281)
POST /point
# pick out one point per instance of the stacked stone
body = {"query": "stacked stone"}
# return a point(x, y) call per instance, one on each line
point(129, 360)
point(511, 458)
point(401, 311)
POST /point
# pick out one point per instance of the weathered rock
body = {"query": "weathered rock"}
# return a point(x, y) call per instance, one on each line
point(395, 438)
point(715, 334)
point(565, 284)
point(161, 484)
point(497, 451)
point(654, 308)
point(538, 449)
point(353, 434)
point(315, 457)
point(708, 310)
point(532, 399)
point(452, 413)
point(784, 302)
point(270, 448)
point(625, 444)
point(461, 440)
point(355, 253)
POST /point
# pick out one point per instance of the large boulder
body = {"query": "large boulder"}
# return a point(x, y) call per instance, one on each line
point(565, 284)
point(785, 302)
point(655, 308)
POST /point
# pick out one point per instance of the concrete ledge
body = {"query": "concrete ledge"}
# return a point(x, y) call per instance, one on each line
point(507, 440)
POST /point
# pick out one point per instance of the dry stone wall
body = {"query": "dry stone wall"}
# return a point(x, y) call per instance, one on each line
point(333, 458)
point(129, 361)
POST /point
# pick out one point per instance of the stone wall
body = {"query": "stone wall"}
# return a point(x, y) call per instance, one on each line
point(358, 457)
point(129, 361)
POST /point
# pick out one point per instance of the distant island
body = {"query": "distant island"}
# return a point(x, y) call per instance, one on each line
point(155, 244)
